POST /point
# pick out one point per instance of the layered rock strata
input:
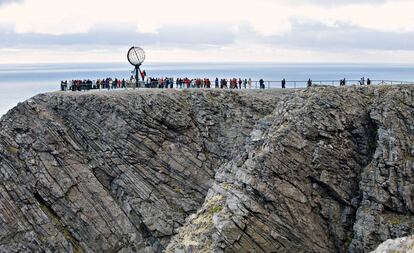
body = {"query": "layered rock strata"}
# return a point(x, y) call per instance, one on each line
point(317, 170)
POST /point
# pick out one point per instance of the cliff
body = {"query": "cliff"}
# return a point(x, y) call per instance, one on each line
point(399, 245)
point(319, 170)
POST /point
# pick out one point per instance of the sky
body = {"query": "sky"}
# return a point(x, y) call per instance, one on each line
point(46, 31)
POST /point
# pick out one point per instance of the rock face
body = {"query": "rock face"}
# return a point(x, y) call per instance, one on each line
point(318, 170)
point(400, 245)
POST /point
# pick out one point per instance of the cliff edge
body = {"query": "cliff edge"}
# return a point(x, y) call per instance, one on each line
point(318, 170)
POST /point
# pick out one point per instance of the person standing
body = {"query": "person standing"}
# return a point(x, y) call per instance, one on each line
point(161, 83)
point(143, 75)
point(283, 83)
point(250, 83)
point(261, 82)
point(309, 83)
point(362, 82)
point(368, 81)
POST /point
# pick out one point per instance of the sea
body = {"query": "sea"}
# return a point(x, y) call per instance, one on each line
point(19, 82)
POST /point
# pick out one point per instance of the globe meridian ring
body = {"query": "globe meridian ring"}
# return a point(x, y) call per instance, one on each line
point(136, 56)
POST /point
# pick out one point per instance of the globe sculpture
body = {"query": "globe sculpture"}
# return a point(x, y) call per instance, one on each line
point(136, 56)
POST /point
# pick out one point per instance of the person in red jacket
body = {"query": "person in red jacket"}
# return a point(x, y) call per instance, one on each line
point(143, 74)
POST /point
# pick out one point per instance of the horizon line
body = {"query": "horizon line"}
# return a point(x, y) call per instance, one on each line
point(212, 62)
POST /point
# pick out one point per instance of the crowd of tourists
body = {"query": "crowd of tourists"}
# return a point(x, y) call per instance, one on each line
point(106, 83)
point(179, 83)
point(167, 82)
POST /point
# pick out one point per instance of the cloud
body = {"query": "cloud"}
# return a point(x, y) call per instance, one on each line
point(333, 3)
point(303, 35)
point(124, 34)
point(324, 27)
point(342, 36)
point(4, 2)
point(343, 1)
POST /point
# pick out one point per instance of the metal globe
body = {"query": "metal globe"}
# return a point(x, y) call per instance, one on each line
point(136, 56)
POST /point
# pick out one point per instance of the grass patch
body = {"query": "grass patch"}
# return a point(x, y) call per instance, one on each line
point(215, 209)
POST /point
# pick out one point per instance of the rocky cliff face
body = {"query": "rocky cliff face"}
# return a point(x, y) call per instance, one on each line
point(317, 170)
point(399, 245)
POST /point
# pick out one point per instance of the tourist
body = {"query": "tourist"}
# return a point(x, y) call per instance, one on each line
point(147, 82)
point(368, 81)
point(250, 83)
point(132, 81)
point(245, 83)
point(283, 83)
point(261, 82)
point(188, 82)
point(362, 82)
point(143, 74)
point(309, 83)
point(161, 82)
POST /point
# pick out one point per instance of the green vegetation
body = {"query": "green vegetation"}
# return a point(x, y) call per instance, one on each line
point(215, 209)
point(12, 150)
point(396, 221)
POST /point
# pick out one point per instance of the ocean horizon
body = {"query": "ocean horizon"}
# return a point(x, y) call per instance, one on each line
point(19, 82)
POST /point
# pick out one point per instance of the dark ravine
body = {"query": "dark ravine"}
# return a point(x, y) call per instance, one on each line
point(319, 170)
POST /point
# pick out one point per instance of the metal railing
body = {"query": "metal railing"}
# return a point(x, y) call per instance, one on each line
point(291, 84)
point(302, 84)
point(254, 84)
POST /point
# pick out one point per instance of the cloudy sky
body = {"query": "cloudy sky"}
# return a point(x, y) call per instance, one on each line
point(214, 30)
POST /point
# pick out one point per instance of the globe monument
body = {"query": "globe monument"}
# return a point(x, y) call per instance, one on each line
point(136, 56)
